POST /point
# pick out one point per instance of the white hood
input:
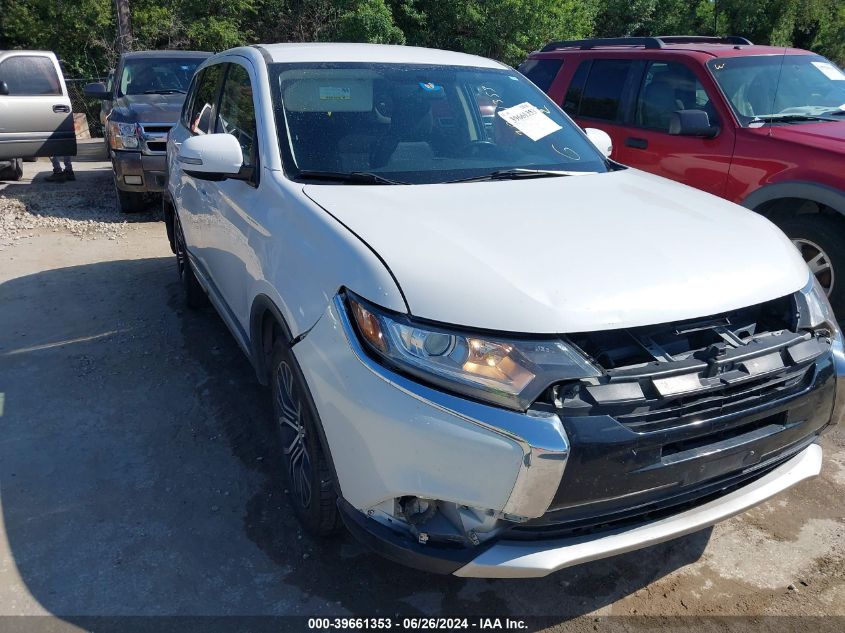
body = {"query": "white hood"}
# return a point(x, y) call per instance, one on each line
point(568, 254)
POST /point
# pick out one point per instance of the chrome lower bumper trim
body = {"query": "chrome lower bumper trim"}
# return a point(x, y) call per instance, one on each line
point(524, 559)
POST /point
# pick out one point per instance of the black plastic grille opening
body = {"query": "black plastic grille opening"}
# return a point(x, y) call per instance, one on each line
point(723, 400)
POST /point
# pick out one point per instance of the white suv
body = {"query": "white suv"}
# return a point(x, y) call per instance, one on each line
point(492, 351)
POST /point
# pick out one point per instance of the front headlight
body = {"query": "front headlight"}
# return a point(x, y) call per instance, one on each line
point(502, 370)
point(124, 135)
point(814, 310)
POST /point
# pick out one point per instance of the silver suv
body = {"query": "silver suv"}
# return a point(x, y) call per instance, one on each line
point(36, 111)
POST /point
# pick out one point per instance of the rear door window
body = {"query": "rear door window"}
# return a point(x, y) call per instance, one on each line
point(541, 71)
point(30, 76)
point(602, 95)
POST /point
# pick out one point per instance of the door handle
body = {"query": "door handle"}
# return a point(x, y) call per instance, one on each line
point(61, 108)
point(636, 143)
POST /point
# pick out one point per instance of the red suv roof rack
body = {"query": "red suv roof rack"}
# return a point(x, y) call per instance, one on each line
point(645, 42)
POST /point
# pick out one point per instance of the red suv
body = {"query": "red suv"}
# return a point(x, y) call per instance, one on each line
point(761, 126)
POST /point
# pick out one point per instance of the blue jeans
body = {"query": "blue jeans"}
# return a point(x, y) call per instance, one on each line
point(57, 160)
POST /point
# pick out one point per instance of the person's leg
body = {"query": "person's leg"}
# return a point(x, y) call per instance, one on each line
point(69, 175)
point(58, 175)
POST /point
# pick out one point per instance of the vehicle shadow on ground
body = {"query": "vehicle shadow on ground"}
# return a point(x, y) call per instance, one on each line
point(136, 469)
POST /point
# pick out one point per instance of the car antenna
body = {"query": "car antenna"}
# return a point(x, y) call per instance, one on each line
point(777, 83)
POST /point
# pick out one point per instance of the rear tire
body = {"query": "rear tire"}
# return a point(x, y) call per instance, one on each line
point(195, 297)
point(821, 240)
point(307, 475)
point(14, 171)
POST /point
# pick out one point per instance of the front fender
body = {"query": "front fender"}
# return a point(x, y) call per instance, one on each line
point(803, 190)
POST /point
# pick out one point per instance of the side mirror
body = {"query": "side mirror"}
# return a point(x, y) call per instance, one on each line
point(96, 91)
point(213, 157)
point(692, 123)
point(4, 88)
point(601, 140)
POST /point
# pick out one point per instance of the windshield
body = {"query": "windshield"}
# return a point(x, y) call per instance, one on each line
point(780, 87)
point(157, 75)
point(420, 124)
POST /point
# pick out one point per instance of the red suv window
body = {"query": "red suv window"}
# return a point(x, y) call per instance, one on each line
point(602, 94)
point(541, 71)
point(667, 87)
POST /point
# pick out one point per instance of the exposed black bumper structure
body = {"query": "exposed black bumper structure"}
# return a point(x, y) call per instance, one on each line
point(687, 416)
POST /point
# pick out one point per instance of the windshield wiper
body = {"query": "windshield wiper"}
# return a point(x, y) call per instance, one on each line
point(786, 118)
point(514, 174)
point(839, 112)
point(351, 177)
point(165, 91)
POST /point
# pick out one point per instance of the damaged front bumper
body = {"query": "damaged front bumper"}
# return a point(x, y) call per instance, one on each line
point(392, 438)
point(445, 484)
point(139, 173)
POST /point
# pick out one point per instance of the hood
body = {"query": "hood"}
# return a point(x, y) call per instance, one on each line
point(148, 108)
point(570, 254)
point(828, 136)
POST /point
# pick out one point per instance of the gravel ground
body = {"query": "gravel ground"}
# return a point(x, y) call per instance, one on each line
point(84, 208)
point(135, 472)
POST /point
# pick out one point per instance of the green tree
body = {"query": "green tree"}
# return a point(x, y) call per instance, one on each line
point(622, 18)
point(81, 32)
point(817, 25)
point(369, 21)
point(506, 29)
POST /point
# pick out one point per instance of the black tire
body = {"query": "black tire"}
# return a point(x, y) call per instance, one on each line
point(14, 171)
point(129, 201)
point(306, 472)
point(17, 169)
point(195, 297)
point(821, 240)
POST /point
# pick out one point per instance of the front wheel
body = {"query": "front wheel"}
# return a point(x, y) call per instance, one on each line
point(307, 475)
point(821, 242)
point(195, 297)
point(129, 201)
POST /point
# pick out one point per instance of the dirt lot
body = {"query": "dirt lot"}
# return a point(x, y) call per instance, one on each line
point(134, 466)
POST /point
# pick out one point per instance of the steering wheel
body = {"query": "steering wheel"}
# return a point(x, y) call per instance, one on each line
point(478, 149)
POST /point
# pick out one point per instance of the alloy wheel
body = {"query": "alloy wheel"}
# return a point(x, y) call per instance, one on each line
point(818, 261)
point(294, 435)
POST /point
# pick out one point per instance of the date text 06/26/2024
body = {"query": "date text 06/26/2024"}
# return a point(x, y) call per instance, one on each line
point(417, 624)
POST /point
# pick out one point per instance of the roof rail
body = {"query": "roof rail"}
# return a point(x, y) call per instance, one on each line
point(645, 42)
point(704, 39)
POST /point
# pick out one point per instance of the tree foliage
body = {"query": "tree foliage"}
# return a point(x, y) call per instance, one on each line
point(83, 32)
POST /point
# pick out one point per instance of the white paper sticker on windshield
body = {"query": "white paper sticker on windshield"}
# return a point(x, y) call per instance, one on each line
point(830, 71)
point(335, 94)
point(529, 120)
